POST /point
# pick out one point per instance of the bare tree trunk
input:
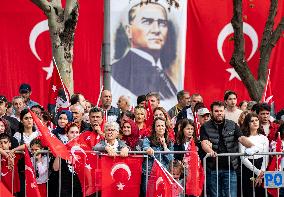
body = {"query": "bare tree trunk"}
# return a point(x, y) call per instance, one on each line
point(62, 23)
point(269, 39)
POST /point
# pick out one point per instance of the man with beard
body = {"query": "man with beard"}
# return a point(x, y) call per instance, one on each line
point(217, 136)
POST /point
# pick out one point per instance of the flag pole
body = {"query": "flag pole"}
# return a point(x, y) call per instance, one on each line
point(99, 98)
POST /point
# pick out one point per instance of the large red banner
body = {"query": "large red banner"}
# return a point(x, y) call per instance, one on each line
point(25, 52)
point(210, 45)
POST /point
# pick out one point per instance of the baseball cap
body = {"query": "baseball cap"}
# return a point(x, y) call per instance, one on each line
point(203, 111)
point(3, 99)
point(25, 88)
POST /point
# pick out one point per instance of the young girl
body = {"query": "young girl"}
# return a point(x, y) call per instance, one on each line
point(256, 165)
point(67, 170)
point(40, 162)
point(27, 130)
point(130, 134)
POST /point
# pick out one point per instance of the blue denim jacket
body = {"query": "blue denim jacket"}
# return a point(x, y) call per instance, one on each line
point(165, 159)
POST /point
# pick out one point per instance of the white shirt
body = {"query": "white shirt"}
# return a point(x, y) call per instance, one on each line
point(27, 139)
point(42, 169)
point(114, 146)
point(262, 143)
point(233, 115)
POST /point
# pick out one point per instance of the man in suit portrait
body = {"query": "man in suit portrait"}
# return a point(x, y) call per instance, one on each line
point(145, 49)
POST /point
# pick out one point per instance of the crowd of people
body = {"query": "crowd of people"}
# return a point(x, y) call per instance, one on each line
point(223, 128)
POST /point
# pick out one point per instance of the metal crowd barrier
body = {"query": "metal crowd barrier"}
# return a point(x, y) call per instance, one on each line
point(144, 154)
point(229, 155)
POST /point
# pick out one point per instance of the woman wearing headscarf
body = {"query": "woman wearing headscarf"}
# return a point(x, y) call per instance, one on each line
point(63, 118)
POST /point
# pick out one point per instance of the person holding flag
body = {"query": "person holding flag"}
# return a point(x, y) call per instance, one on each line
point(157, 141)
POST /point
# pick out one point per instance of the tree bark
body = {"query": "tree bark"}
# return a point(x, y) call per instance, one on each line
point(62, 24)
point(269, 39)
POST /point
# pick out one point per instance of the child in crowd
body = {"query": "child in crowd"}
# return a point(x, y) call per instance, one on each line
point(177, 170)
point(40, 162)
point(9, 169)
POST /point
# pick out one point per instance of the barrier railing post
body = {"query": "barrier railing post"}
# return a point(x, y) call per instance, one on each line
point(229, 161)
point(205, 176)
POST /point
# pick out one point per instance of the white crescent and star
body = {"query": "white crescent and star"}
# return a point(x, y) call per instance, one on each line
point(120, 166)
point(77, 148)
point(225, 32)
point(30, 169)
point(37, 30)
point(158, 182)
point(120, 186)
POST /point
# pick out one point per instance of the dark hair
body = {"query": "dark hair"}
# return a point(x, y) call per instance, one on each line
point(96, 110)
point(153, 137)
point(168, 119)
point(21, 126)
point(181, 94)
point(228, 93)
point(180, 134)
point(75, 98)
point(36, 141)
point(245, 127)
point(141, 98)
point(217, 103)
point(263, 107)
point(242, 102)
point(5, 136)
point(7, 126)
point(38, 106)
point(129, 114)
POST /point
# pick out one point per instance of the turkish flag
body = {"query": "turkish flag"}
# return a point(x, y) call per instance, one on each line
point(210, 44)
point(121, 176)
point(273, 164)
point(58, 94)
point(31, 185)
point(10, 177)
point(26, 52)
point(86, 162)
point(195, 174)
point(4, 190)
point(161, 182)
point(48, 139)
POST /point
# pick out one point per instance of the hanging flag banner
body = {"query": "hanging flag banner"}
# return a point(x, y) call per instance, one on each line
point(147, 49)
point(26, 52)
point(210, 44)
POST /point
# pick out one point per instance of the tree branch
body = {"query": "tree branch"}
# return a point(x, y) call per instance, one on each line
point(44, 5)
point(56, 3)
point(265, 47)
point(238, 58)
point(70, 5)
